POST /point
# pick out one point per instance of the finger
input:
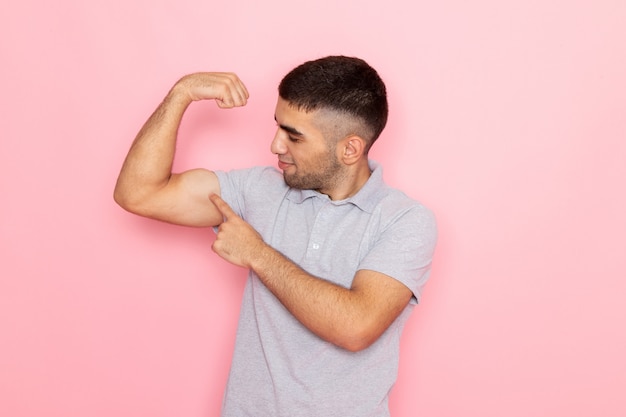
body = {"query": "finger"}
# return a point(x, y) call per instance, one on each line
point(222, 206)
point(224, 104)
point(238, 97)
point(244, 91)
point(239, 91)
point(236, 93)
point(232, 98)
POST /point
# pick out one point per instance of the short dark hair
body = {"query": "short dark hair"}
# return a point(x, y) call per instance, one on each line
point(344, 84)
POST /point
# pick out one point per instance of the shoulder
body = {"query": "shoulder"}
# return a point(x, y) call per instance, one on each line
point(251, 182)
point(391, 207)
point(258, 187)
point(394, 206)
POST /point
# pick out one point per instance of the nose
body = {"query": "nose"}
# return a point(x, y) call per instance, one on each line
point(278, 146)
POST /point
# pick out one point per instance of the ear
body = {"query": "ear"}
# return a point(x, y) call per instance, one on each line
point(352, 149)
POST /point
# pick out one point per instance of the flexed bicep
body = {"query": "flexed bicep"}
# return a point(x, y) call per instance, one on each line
point(146, 185)
point(184, 200)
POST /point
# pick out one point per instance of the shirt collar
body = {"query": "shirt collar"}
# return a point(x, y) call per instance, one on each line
point(366, 198)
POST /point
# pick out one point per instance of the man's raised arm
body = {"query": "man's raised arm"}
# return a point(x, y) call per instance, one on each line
point(146, 185)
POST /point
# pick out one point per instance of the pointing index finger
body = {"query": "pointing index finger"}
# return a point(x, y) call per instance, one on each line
point(222, 206)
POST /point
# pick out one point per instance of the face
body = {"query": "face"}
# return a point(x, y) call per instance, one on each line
point(305, 155)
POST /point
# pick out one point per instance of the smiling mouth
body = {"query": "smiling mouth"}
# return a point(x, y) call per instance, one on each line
point(284, 165)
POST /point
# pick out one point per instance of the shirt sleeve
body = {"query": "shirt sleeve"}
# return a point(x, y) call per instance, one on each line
point(253, 194)
point(404, 249)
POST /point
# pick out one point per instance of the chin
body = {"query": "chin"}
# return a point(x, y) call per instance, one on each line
point(295, 182)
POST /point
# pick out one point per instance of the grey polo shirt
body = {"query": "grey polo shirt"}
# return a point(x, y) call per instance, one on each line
point(280, 368)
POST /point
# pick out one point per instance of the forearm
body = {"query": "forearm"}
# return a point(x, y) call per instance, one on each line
point(352, 318)
point(149, 161)
point(334, 313)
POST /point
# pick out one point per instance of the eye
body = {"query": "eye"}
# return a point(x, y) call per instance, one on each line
point(294, 139)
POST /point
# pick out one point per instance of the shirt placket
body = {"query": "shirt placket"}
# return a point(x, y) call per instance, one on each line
point(319, 233)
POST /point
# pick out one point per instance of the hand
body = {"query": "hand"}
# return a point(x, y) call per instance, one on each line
point(224, 87)
point(236, 241)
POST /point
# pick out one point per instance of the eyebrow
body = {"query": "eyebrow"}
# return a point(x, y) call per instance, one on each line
point(289, 129)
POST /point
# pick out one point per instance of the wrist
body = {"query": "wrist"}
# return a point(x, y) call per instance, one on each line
point(262, 257)
point(180, 94)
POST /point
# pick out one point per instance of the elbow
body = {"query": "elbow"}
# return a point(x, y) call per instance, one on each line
point(121, 198)
point(356, 340)
point(125, 200)
point(356, 346)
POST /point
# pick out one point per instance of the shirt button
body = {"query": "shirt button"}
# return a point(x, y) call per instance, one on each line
point(316, 246)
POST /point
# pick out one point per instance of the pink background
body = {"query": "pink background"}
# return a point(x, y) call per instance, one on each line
point(507, 119)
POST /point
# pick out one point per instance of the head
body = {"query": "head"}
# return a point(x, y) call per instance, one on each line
point(348, 88)
point(329, 113)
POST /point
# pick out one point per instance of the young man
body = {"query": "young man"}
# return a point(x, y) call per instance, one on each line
point(337, 258)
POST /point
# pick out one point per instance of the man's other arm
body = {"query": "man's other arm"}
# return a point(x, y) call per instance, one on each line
point(352, 318)
point(146, 185)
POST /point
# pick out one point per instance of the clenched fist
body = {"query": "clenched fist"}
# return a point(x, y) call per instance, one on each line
point(225, 88)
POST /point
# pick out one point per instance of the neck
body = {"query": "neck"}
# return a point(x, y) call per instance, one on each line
point(349, 182)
